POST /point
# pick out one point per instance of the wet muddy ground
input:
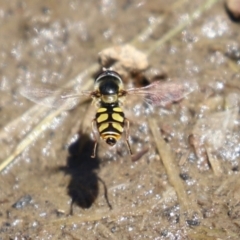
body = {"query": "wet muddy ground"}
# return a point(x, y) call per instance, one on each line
point(185, 183)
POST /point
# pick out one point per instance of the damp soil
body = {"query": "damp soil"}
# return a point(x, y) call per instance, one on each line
point(185, 180)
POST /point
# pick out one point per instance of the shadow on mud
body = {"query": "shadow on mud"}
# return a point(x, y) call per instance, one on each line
point(83, 187)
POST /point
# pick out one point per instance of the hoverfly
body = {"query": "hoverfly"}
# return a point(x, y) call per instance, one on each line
point(110, 122)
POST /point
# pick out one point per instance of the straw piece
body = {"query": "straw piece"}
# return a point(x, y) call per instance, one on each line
point(215, 164)
point(43, 125)
point(167, 157)
point(170, 34)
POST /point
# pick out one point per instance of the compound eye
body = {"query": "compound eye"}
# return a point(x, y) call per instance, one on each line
point(111, 141)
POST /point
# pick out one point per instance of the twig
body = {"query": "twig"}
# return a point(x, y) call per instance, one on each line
point(196, 14)
point(115, 214)
point(41, 126)
point(215, 164)
point(146, 33)
point(171, 168)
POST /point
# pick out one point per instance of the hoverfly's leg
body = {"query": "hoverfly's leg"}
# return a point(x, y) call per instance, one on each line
point(95, 138)
point(127, 135)
point(94, 150)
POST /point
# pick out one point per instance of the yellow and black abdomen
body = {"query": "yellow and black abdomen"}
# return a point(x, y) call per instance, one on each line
point(110, 123)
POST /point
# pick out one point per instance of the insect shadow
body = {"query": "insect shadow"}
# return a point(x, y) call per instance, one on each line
point(83, 187)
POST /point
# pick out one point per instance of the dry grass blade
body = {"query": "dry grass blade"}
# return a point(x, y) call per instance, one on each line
point(207, 233)
point(196, 14)
point(115, 214)
point(97, 216)
point(35, 111)
point(214, 162)
point(105, 231)
point(30, 138)
point(37, 130)
point(146, 33)
point(171, 167)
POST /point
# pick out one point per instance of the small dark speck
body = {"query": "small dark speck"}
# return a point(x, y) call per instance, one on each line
point(65, 147)
point(10, 12)
point(59, 213)
point(52, 134)
point(184, 176)
point(45, 10)
point(235, 169)
point(164, 233)
point(193, 222)
point(7, 224)
point(22, 202)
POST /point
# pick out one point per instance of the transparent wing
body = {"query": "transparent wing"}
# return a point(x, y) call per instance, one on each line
point(163, 93)
point(51, 97)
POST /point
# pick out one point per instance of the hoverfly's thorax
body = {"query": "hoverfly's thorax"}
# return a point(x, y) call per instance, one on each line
point(108, 85)
point(109, 99)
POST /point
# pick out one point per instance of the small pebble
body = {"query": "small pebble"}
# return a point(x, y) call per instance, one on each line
point(233, 9)
point(22, 202)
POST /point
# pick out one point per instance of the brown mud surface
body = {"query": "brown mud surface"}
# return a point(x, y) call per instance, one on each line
point(185, 183)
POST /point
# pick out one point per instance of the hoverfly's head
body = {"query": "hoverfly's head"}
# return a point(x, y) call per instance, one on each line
point(108, 83)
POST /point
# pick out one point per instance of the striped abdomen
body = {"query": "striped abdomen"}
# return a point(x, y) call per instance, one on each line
point(110, 123)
